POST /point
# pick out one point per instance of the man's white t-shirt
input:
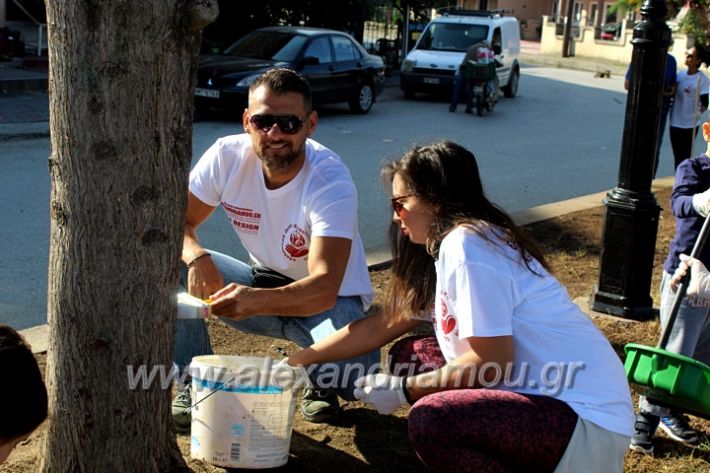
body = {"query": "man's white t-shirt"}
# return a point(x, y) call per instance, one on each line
point(276, 226)
point(686, 105)
point(484, 290)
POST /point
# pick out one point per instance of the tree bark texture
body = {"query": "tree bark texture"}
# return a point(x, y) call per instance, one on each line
point(121, 92)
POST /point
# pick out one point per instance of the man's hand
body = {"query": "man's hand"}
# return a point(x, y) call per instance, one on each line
point(203, 278)
point(228, 302)
point(385, 392)
point(699, 284)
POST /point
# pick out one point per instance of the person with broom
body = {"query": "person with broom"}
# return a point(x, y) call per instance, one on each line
point(690, 334)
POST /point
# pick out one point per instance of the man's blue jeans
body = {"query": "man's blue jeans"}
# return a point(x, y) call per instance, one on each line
point(192, 338)
point(461, 85)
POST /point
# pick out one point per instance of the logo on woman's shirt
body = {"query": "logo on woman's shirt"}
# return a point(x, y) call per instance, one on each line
point(447, 322)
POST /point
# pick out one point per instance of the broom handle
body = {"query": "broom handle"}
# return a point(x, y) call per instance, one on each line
point(683, 286)
point(696, 106)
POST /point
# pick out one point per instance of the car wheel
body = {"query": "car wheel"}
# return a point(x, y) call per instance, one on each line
point(408, 93)
point(511, 90)
point(362, 102)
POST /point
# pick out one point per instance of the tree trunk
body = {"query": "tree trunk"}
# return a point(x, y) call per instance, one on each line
point(121, 91)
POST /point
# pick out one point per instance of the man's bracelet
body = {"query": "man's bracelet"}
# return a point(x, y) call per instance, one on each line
point(193, 260)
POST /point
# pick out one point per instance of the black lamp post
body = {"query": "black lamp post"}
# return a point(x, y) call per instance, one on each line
point(631, 220)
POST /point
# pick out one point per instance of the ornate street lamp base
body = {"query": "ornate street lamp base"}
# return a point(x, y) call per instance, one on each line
point(621, 306)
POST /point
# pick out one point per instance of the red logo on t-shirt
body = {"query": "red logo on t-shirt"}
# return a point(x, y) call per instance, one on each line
point(294, 242)
point(448, 322)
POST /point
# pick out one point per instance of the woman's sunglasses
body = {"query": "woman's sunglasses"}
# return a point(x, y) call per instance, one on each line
point(398, 205)
point(288, 124)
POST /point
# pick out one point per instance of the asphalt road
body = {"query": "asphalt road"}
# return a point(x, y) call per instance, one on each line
point(560, 138)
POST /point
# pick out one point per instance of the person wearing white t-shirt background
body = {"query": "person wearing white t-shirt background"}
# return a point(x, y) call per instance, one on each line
point(516, 378)
point(689, 104)
point(293, 205)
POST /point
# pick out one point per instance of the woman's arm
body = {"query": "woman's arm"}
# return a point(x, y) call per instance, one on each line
point(359, 337)
point(479, 366)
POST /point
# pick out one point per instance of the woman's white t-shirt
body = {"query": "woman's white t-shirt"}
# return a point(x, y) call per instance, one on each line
point(484, 290)
point(685, 112)
point(276, 226)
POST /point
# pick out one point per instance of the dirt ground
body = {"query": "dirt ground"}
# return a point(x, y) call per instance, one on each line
point(365, 441)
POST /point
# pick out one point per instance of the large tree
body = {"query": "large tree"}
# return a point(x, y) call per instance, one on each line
point(121, 87)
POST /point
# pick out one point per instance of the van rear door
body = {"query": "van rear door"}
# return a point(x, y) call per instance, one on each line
point(503, 59)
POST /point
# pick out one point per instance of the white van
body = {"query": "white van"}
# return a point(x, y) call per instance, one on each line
point(432, 64)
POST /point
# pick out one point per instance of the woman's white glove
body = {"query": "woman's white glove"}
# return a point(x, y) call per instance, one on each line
point(287, 376)
point(385, 392)
point(699, 276)
point(701, 203)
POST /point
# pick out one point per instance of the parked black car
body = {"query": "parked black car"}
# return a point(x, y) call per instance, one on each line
point(337, 67)
point(10, 44)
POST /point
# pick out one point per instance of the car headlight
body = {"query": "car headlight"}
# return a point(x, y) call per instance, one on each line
point(408, 65)
point(247, 81)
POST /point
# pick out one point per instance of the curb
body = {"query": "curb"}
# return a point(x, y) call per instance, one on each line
point(23, 131)
point(11, 87)
point(581, 64)
point(38, 336)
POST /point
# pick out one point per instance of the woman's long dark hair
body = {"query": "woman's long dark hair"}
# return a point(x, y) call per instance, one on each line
point(445, 176)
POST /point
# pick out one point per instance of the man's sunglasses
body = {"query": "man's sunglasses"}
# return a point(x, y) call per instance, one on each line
point(397, 204)
point(288, 124)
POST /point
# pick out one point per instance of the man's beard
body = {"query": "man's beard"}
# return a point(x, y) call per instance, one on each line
point(280, 162)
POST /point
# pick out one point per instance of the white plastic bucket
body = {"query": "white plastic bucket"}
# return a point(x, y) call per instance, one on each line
point(243, 411)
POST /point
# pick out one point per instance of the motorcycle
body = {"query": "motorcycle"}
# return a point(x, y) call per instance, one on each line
point(484, 84)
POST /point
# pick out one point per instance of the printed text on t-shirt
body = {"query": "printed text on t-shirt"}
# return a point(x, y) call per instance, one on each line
point(243, 220)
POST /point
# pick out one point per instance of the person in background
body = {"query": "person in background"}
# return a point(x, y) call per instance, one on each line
point(477, 52)
point(669, 89)
point(293, 205)
point(690, 336)
point(477, 390)
point(689, 103)
point(23, 394)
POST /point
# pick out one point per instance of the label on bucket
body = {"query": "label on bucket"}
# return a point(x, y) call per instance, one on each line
point(222, 386)
point(241, 426)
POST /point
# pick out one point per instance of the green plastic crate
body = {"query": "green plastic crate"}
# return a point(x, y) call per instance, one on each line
point(670, 378)
point(480, 71)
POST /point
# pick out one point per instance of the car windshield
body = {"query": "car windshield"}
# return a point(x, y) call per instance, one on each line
point(272, 45)
point(452, 36)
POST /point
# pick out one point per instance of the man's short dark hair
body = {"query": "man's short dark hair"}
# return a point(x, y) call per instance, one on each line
point(281, 81)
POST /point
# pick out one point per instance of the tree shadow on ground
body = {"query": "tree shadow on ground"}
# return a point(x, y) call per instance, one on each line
point(314, 456)
point(384, 442)
point(381, 440)
point(665, 447)
point(559, 235)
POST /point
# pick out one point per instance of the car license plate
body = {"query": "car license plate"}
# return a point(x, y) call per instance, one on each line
point(431, 80)
point(214, 94)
